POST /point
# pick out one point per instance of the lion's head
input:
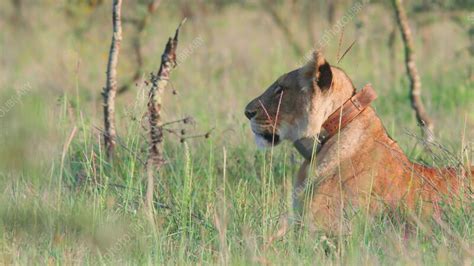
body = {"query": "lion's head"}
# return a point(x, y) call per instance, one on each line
point(297, 103)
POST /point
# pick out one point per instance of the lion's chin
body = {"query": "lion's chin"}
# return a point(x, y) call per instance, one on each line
point(266, 140)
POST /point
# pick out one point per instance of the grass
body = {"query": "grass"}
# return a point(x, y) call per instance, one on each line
point(218, 200)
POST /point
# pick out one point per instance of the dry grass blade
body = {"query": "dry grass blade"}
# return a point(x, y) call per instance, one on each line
point(347, 50)
point(340, 45)
point(63, 158)
point(276, 117)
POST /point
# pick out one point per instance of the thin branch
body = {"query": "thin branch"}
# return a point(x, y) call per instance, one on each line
point(412, 72)
point(204, 135)
point(110, 90)
point(186, 120)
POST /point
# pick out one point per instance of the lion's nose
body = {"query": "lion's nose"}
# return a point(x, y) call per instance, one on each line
point(250, 114)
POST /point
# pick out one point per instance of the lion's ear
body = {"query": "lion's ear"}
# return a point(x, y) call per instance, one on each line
point(324, 72)
point(318, 70)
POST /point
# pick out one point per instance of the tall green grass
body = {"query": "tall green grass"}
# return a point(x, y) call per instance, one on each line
point(214, 204)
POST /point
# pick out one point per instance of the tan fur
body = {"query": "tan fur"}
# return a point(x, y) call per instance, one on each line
point(361, 168)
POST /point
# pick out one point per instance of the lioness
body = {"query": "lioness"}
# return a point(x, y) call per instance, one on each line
point(357, 164)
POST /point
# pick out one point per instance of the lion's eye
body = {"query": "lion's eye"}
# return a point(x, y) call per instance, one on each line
point(278, 89)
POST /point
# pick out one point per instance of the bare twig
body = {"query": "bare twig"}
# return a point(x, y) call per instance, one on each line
point(203, 135)
point(110, 89)
point(159, 82)
point(412, 72)
point(186, 120)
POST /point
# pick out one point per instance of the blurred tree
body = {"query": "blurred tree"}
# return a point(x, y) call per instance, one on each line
point(425, 14)
point(332, 11)
point(308, 15)
point(140, 22)
point(271, 7)
point(429, 12)
point(80, 14)
point(430, 5)
point(81, 7)
point(17, 16)
point(295, 14)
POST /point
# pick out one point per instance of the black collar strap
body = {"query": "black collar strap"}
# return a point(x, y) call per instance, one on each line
point(308, 146)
